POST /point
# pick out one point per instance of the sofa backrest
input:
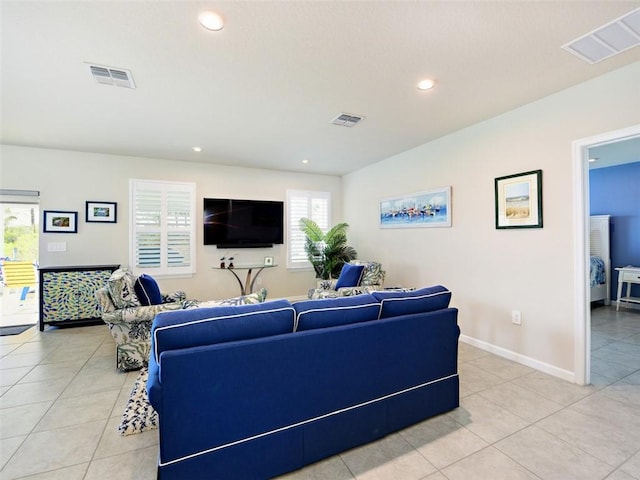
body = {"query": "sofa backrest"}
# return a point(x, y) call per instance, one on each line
point(395, 303)
point(330, 312)
point(226, 323)
point(220, 324)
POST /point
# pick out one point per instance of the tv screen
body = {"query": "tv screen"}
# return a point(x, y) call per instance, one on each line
point(242, 223)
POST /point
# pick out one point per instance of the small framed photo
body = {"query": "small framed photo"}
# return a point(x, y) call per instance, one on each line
point(56, 221)
point(519, 200)
point(102, 212)
point(268, 261)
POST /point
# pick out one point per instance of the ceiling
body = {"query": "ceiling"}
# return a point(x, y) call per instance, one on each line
point(263, 91)
point(616, 153)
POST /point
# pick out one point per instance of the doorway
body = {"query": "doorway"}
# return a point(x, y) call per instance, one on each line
point(19, 293)
point(581, 148)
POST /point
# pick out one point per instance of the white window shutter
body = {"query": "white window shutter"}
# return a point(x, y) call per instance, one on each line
point(162, 228)
point(300, 204)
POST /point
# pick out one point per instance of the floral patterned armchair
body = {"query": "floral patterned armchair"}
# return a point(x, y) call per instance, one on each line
point(129, 321)
point(372, 279)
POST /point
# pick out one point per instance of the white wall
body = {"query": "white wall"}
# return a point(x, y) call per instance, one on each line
point(491, 272)
point(67, 179)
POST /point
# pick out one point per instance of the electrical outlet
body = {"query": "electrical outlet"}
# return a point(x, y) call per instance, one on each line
point(516, 317)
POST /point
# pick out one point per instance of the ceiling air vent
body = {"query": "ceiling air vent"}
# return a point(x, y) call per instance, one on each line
point(347, 120)
point(613, 38)
point(112, 76)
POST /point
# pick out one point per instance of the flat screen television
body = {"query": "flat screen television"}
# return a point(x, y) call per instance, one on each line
point(243, 223)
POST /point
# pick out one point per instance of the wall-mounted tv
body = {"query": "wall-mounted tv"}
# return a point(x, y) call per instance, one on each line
point(243, 223)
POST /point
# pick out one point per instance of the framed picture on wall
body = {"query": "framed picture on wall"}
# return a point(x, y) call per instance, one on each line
point(56, 221)
point(430, 208)
point(102, 212)
point(519, 200)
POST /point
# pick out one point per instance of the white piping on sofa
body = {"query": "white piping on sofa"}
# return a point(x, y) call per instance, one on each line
point(303, 422)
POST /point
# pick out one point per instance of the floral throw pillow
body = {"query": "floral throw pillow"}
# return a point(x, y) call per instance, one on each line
point(121, 289)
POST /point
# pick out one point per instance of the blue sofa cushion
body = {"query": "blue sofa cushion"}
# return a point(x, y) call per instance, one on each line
point(350, 276)
point(147, 290)
point(210, 325)
point(329, 312)
point(417, 301)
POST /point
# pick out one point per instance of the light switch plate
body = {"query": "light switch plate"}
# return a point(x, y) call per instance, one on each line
point(57, 246)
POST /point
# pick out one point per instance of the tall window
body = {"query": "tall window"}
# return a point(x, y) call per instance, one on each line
point(162, 227)
point(303, 203)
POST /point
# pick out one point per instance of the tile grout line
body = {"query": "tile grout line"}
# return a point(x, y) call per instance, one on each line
point(52, 403)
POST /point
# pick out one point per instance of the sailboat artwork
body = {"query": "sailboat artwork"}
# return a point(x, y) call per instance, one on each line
point(430, 208)
point(517, 200)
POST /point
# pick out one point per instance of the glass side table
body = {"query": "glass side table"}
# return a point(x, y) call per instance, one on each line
point(250, 278)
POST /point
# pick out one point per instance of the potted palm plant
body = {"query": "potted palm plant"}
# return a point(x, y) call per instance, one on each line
point(329, 251)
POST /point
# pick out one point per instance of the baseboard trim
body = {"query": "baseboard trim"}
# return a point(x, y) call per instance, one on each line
point(519, 358)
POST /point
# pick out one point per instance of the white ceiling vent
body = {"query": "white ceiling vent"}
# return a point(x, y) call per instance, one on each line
point(112, 76)
point(613, 38)
point(347, 120)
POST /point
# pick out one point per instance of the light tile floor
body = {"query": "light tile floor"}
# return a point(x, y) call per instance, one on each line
point(61, 402)
point(14, 311)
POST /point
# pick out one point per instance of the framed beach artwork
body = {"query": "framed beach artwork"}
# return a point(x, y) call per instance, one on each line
point(429, 208)
point(101, 212)
point(519, 200)
point(56, 221)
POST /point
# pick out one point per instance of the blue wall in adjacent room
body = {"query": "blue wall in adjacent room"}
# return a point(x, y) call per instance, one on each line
point(615, 191)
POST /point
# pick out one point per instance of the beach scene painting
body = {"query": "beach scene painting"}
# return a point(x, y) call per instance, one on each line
point(519, 200)
point(430, 208)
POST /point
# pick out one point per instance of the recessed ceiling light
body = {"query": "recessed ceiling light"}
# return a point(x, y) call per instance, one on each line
point(211, 20)
point(305, 161)
point(426, 84)
point(196, 149)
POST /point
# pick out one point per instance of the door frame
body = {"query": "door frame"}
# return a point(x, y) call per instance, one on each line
point(582, 340)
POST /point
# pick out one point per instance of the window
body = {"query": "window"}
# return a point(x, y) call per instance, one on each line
point(313, 205)
point(162, 227)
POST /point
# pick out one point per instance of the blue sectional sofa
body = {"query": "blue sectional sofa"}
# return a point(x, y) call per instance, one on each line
point(254, 391)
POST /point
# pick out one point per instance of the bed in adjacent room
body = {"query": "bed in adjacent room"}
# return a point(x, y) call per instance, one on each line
point(600, 261)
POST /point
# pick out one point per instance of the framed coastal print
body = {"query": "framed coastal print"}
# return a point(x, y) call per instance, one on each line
point(519, 200)
point(56, 221)
point(102, 212)
point(429, 208)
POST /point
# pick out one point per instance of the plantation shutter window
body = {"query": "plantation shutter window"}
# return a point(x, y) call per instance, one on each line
point(300, 204)
point(162, 227)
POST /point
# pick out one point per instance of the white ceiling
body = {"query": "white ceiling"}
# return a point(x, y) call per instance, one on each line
point(262, 91)
point(616, 153)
